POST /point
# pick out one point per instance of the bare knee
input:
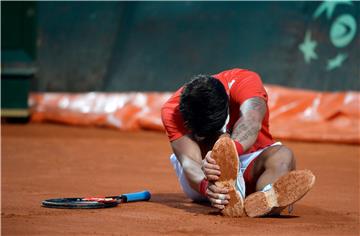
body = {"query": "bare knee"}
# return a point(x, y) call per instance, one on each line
point(281, 161)
point(278, 161)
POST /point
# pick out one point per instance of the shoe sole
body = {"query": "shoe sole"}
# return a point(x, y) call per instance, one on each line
point(225, 154)
point(287, 190)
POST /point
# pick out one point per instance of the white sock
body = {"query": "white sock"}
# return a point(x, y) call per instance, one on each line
point(266, 188)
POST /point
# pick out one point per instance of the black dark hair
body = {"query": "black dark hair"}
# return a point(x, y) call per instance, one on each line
point(204, 105)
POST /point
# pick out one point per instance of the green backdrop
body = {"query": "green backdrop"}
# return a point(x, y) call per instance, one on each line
point(142, 46)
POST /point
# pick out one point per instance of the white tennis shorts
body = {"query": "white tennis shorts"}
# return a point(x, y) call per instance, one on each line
point(240, 184)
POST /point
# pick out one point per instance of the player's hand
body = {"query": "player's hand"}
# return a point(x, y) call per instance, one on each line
point(210, 169)
point(218, 197)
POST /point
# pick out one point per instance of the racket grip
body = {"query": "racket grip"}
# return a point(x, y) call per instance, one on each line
point(139, 196)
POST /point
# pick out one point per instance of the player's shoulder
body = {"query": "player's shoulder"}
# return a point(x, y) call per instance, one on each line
point(237, 73)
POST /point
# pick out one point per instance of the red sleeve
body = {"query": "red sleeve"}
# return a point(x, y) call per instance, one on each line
point(247, 84)
point(172, 118)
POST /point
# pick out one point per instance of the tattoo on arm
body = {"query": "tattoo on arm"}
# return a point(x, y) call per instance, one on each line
point(247, 127)
point(254, 104)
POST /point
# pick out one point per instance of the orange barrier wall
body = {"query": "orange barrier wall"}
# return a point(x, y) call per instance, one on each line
point(314, 116)
point(294, 114)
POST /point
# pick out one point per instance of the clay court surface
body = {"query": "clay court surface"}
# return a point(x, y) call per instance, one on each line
point(42, 161)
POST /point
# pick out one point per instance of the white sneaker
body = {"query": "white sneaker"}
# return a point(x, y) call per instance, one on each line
point(225, 154)
point(240, 182)
point(284, 192)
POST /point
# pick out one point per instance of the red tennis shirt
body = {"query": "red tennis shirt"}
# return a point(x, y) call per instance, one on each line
point(240, 85)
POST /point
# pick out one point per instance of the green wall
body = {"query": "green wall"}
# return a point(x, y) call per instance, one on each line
point(141, 46)
point(18, 31)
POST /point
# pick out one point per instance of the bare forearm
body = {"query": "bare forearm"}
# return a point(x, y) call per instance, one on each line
point(248, 126)
point(188, 154)
point(193, 172)
point(246, 132)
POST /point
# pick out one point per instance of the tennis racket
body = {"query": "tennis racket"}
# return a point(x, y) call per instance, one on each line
point(96, 202)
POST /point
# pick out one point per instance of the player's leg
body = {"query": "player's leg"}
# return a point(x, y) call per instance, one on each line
point(253, 166)
point(277, 185)
point(273, 163)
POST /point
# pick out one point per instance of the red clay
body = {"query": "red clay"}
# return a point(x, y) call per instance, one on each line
point(42, 161)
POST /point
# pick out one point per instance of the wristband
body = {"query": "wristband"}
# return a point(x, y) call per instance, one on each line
point(239, 148)
point(203, 186)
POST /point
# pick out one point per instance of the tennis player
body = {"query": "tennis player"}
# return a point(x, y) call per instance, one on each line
point(233, 102)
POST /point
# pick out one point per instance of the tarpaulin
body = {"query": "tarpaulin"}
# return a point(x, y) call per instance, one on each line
point(314, 116)
point(294, 113)
point(125, 111)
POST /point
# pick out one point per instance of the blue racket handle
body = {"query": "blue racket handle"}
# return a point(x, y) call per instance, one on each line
point(139, 196)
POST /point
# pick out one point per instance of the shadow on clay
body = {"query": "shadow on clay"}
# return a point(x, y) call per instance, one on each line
point(179, 201)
